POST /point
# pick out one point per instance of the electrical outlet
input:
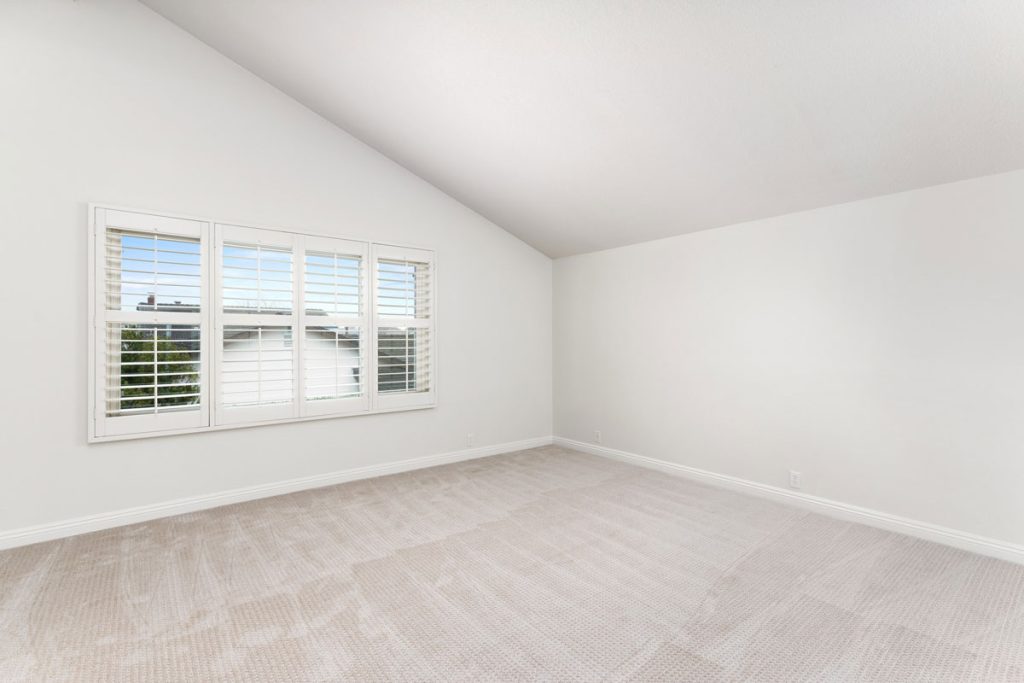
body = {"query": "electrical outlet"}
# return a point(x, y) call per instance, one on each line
point(795, 479)
point(597, 436)
point(470, 440)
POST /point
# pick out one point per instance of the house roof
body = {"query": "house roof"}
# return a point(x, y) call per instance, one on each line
point(190, 308)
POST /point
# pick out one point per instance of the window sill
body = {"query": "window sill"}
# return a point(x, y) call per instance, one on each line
point(246, 425)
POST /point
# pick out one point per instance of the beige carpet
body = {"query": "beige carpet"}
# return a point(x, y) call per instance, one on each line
point(544, 565)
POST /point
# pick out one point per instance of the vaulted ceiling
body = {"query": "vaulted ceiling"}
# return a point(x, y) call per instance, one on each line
point(587, 124)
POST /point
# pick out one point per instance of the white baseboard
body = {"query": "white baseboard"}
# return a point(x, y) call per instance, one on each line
point(107, 520)
point(910, 527)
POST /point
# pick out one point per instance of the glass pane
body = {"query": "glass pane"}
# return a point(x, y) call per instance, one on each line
point(333, 284)
point(334, 366)
point(403, 360)
point(152, 368)
point(403, 289)
point(257, 279)
point(256, 368)
point(145, 272)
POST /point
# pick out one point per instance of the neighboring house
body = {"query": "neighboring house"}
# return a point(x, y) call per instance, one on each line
point(257, 362)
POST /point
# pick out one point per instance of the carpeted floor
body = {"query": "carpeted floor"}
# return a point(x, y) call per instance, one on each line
point(546, 565)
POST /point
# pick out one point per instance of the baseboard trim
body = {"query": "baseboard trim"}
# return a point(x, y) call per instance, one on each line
point(144, 513)
point(930, 532)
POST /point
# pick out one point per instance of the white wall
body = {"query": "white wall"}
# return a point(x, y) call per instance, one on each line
point(104, 101)
point(877, 347)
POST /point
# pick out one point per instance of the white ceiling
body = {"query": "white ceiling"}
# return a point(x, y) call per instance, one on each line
point(584, 124)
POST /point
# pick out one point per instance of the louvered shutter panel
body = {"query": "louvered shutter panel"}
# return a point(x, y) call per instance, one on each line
point(256, 331)
point(404, 327)
point(334, 326)
point(150, 369)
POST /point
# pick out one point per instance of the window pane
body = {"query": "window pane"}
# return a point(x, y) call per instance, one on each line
point(257, 279)
point(256, 368)
point(403, 289)
point(403, 360)
point(334, 366)
point(152, 368)
point(333, 284)
point(145, 272)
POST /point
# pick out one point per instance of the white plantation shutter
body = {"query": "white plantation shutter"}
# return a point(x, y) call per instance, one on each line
point(334, 329)
point(403, 327)
point(200, 326)
point(149, 369)
point(256, 331)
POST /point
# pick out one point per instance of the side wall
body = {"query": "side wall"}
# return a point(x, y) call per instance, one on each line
point(105, 101)
point(876, 347)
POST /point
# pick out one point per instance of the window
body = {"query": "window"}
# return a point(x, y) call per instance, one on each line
point(403, 322)
point(201, 325)
point(334, 328)
point(256, 354)
point(150, 331)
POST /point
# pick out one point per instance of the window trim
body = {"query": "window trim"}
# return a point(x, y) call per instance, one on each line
point(211, 317)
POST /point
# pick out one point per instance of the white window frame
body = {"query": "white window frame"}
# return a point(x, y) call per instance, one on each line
point(101, 425)
point(212, 416)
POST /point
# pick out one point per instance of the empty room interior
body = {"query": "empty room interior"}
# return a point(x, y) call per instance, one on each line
point(552, 340)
